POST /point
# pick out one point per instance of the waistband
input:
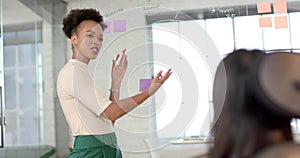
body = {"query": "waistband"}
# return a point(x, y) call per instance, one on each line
point(90, 141)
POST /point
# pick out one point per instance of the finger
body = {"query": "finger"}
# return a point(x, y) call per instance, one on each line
point(122, 58)
point(118, 55)
point(159, 74)
point(113, 64)
point(167, 75)
point(125, 62)
point(169, 72)
point(118, 59)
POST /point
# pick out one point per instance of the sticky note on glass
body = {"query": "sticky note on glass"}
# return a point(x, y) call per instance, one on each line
point(145, 84)
point(119, 25)
point(108, 28)
point(265, 22)
point(280, 6)
point(263, 7)
point(281, 22)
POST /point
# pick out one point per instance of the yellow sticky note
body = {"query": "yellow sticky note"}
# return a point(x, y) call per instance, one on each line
point(281, 22)
point(280, 6)
point(265, 22)
point(263, 7)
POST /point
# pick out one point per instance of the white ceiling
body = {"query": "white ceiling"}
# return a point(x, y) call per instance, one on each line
point(15, 12)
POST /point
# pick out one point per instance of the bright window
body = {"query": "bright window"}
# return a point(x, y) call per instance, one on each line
point(23, 88)
point(295, 31)
point(182, 104)
point(220, 31)
point(276, 38)
point(248, 34)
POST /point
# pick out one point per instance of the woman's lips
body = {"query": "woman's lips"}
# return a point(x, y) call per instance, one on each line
point(95, 49)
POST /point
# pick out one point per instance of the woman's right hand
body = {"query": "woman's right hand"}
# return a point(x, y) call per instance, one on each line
point(119, 69)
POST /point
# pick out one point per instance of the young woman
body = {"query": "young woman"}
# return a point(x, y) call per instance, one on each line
point(244, 123)
point(88, 112)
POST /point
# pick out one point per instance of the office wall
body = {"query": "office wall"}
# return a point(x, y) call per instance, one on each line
point(134, 132)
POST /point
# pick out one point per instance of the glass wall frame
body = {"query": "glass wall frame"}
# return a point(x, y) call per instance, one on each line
point(2, 119)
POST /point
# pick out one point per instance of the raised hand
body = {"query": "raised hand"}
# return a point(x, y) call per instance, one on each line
point(157, 82)
point(119, 68)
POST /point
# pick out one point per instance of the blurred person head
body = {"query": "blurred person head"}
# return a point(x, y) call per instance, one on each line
point(244, 124)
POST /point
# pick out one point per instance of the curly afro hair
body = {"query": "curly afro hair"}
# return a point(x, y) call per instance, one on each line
point(76, 16)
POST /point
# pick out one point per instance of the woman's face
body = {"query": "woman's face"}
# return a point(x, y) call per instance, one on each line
point(87, 41)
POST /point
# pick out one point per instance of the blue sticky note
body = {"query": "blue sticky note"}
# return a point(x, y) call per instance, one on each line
point(145, 84)
point(119, 25)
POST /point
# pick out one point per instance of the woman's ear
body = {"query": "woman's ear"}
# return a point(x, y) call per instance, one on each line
point(74, 41)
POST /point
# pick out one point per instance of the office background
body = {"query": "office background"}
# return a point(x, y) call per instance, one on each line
point(189, 36)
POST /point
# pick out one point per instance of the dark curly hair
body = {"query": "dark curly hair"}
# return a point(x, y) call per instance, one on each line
point(243, 119)
point(76, 16)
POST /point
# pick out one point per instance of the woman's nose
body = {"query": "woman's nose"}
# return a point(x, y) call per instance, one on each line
point(96, 41)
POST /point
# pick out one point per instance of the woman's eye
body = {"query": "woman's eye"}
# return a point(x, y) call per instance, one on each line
point(90, 36)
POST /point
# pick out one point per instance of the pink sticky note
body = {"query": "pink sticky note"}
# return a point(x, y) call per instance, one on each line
point(119, 25)
point(263, 7)
point(265, 22)
point(281, 22)
point(108, 29)
point(145, 84)
point(280, 6)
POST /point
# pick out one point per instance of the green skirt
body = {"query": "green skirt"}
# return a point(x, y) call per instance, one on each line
point(96, 146)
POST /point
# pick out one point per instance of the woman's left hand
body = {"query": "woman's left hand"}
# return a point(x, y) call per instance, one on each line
point(119, 68)
point(158, 81)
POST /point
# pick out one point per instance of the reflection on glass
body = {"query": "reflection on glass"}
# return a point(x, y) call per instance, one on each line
point(28, 36)
point(1, 118)
point(10, 89)
point(9, 54)
point(165, 35)
point(21, 87)
point(29, 127)
point(220, 31)
point(196, 59)
point(27, 55)
point(10, 38)
point(166, 39)
point(11, 129)
point(27, 87)
point(192, 37)
point(22, 81)
point(181, 105)
point(276, 38)
point(248, 33)
point(1, 80)
point(295, 31)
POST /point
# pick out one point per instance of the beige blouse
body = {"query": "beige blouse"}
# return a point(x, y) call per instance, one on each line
point(81, 102)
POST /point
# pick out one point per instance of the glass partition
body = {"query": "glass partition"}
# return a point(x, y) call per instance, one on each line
point(1, 81)
point(33, 49)
point(2, 119)
point(24, 24)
